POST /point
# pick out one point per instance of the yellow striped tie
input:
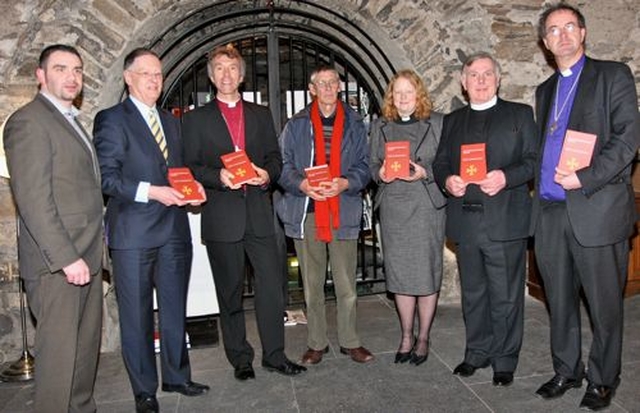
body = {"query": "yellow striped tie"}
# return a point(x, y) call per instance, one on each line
point(157, 134)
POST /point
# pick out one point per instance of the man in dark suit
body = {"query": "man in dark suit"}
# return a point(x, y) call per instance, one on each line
point(56, 187)
point(489, 219)
point(582, 220)
point(238, 219)
point(147, 231)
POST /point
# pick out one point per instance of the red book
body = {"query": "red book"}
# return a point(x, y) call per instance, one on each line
point(317, 175)
point(577, 151)
point(182, 180)
point(396, 155)
point(473, 162)
point(239, 165)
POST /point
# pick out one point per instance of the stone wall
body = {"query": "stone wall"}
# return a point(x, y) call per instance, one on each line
point(431, 36)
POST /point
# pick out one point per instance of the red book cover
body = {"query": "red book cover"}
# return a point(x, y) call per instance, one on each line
point(577, 151)
point(473, 162)
point(316, 175)
point(396, 155)
point(239, 165)
point(182, 180)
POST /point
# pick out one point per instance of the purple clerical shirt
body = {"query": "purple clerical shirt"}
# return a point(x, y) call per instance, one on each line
point(557, 123)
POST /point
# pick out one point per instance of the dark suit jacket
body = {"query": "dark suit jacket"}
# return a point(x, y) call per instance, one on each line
point(129, 154)
point(511, 147)
point(602, 212)
point(207, 138)
point(55, 189)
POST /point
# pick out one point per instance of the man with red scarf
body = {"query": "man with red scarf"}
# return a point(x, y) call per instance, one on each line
point(326, 218)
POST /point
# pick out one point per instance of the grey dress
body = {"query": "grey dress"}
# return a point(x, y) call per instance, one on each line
point(412, 214)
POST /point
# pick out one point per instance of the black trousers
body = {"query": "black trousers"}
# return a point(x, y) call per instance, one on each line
point(565, 266)
point(227, 260)
point(492, 277)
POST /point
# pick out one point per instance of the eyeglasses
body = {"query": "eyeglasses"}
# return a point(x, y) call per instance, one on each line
point(329, 84)
point(148, 75)
point(555, 31)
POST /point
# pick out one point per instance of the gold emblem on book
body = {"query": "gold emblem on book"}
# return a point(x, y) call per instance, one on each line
point(573, 164)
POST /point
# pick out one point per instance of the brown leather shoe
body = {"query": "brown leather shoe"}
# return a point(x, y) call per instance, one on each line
point(358, 354)
point(312, 356)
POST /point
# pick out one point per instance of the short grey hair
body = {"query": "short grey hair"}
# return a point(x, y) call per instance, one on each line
point(481, 55)
point(323, 68)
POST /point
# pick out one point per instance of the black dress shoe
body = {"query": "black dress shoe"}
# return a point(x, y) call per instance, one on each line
point(465, 369)
point(189, 388)
point(596, 397)
point(502, 378)
point(244, 372)
point(147, 404)
point(287, 368)
point(558, 386)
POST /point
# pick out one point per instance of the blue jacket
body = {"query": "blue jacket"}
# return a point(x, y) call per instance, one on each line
point(298, 153)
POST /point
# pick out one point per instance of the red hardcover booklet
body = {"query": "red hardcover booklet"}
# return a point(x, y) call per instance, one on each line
point(396, 155)
point(182, 180)
point(473, 162)
point(317, 175)
point(239, 165)
point(577, 151)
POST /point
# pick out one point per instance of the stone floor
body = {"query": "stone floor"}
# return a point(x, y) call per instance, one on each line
point(339, 385)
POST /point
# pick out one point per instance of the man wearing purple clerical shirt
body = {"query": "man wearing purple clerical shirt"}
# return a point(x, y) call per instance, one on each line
point(582, 220)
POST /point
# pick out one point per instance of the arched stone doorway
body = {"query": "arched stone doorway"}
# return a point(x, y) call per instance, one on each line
point(281, 44)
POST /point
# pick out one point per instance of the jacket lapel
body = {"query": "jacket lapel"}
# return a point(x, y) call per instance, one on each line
point(425, 127)
point(583, 94)
point(222, 137)
point(140, 126)
point(62, 120)
point(85, 141)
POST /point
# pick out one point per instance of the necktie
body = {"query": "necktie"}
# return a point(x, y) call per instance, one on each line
point(157, 134)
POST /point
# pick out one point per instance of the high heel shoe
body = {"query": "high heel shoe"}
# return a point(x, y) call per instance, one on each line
point(416, 359)
point(403, 357)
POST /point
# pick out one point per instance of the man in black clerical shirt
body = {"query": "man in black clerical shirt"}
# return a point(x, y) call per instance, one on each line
point(488, 220)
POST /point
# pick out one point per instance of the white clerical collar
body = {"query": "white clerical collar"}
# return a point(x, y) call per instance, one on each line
point(229, 103)
point(566, 72)
point(406, 118)
point(486, 105)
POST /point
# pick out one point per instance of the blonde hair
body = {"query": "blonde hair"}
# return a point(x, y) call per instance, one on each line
point(423, 101)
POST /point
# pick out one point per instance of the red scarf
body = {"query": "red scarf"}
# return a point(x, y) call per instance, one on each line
point(328, 211)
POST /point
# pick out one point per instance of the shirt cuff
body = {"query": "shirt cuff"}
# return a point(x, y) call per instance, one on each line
point(142, 194)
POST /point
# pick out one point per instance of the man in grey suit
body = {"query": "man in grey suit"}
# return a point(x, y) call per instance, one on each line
point(56, 187)
point(489, 219)
point(582, 220)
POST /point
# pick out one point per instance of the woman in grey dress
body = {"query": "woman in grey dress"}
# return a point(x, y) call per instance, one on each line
point(412, 213)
